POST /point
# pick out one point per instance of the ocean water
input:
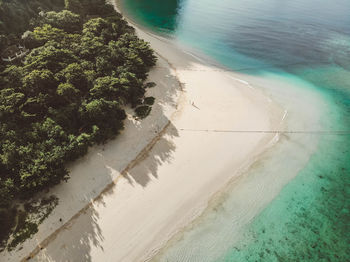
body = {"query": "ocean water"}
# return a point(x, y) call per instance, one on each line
point(293, 204)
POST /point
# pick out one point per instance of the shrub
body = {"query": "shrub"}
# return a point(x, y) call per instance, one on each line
point(142, 111)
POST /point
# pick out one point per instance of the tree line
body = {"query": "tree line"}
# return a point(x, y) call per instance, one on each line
point(85, 64)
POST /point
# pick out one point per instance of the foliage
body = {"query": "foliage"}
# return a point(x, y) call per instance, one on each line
point(67, 94)
point(65, 20)
point(23, 13)
point(143, 111)
point(23, 222)
point(150, 85)
point(149, 100)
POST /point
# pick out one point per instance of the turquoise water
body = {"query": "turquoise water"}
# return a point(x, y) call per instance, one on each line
point(305, 46)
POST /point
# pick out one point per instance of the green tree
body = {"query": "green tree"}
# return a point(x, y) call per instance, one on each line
point(10, 102)
point(39, 81)
point(112, 88)
point(69, 91)
point(74, 6)
point(51, 57)
point(65, 20)
point(30, 41)
point(75, 75)
point(47, 33)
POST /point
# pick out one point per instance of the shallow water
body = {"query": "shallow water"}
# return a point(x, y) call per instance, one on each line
point(293, 204)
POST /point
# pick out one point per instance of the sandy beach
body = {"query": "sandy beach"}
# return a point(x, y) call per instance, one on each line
point(126, 199)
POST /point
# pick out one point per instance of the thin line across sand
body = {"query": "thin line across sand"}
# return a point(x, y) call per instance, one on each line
point(175, 174)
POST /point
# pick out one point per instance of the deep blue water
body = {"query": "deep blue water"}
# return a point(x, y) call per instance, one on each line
point(307, 40)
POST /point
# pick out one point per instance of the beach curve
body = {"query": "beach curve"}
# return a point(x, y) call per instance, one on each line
point(223, 102)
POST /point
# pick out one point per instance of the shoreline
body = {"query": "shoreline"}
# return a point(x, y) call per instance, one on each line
point(187, 71)
point(91, 176)
point(213, 200)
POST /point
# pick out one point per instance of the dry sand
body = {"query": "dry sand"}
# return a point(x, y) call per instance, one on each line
point(160, 174)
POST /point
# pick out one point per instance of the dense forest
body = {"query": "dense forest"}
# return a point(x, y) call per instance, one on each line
point(16, 17)
point(84, 64)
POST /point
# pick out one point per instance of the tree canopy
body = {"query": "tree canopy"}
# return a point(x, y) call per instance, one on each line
point(85, 65)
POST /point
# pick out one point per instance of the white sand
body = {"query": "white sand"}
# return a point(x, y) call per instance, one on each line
point(171, 181)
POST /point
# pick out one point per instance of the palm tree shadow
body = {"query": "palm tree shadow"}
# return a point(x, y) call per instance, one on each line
point(82, 234)
point(153, 158)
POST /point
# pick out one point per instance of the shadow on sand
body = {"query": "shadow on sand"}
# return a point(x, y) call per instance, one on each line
point(80, 233)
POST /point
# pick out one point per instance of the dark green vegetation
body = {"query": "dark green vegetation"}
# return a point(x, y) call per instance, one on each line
point(68, 93)
point(17, 15)
point(22, 221)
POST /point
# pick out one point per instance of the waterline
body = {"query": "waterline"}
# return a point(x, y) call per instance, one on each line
point(294, 203)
